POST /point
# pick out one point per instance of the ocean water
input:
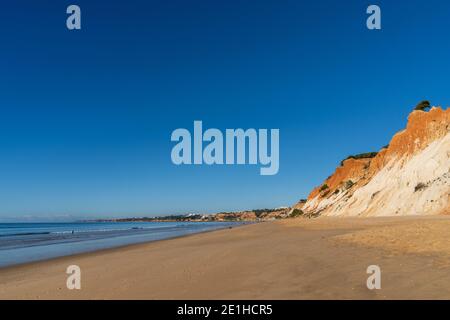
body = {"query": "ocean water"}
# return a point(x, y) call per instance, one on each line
point(26, 242)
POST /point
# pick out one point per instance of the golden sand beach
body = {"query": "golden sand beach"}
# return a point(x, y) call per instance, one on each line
point(324, 258)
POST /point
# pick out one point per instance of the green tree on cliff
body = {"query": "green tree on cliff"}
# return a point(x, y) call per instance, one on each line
point(425, 104)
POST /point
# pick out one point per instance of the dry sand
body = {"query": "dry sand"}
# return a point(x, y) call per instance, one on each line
point(324, 258)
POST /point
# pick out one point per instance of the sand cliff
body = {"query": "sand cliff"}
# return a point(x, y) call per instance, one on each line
point(410, 176)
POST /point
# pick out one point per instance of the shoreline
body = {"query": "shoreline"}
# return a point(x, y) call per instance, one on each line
point(324, 258)
point(124, 246)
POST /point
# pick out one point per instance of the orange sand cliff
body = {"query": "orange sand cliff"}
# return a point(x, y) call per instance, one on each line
point(411, 176)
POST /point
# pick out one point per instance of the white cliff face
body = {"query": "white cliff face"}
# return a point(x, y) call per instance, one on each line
point(410, 183)
point(418, 186)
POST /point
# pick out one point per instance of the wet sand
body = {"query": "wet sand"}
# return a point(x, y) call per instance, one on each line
point(324, 258)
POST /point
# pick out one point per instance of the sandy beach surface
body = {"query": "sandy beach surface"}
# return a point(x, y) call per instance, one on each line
point(324, 258)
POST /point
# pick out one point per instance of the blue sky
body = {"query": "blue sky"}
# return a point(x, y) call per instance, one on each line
point(86, 116)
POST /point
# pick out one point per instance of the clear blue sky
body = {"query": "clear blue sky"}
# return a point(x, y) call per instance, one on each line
point(86, 116)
